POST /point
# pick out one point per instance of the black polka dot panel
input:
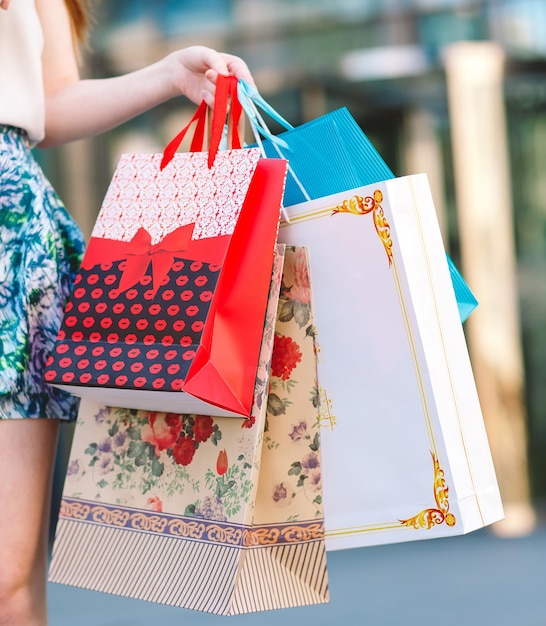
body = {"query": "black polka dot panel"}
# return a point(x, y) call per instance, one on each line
point(139, 338)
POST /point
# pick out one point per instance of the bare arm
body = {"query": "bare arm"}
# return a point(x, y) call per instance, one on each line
point(80, 108)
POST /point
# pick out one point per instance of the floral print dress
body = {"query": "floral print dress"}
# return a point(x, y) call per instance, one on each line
point(40, 251)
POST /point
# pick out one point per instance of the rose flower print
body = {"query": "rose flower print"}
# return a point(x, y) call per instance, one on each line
point(301, 287)
point(148, 450)
point(286, 355)
point(184, 450)
point(161, 431)
point(154, 504)
point(295, 296)
point(202, 428)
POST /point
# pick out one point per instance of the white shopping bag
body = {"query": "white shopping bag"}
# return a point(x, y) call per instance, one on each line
point(405, 450)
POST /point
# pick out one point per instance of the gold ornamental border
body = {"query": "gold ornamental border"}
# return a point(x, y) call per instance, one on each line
point(435, 515)
point(362, 205)
point(209, 531)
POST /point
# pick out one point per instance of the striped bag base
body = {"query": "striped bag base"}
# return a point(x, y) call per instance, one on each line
point(202, 566)
point(216, 514)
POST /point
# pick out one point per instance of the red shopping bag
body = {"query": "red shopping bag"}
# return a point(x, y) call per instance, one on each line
point(168, 308)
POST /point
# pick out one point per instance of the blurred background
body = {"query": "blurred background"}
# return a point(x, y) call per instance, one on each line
point(453, 88)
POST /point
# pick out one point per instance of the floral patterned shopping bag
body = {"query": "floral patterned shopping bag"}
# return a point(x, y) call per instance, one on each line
point(208, 513)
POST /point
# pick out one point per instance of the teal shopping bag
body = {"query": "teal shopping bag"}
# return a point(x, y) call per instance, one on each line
point(328, 155)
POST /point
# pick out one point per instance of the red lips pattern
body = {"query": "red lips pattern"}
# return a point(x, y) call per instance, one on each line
point(126, 339)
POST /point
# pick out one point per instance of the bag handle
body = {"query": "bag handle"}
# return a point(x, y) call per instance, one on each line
point(250, 100)
point(226, 107)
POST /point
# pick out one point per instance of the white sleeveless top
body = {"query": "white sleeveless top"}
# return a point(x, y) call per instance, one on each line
point(22, 101)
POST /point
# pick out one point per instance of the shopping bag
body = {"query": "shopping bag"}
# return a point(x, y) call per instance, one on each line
point(214, 514)
point(405, 450)
point(168, 307)
point(328, 155)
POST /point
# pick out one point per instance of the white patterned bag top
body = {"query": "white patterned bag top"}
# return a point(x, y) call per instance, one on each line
point(186, 191)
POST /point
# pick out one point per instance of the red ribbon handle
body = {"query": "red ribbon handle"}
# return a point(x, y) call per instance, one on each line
point(226, 108)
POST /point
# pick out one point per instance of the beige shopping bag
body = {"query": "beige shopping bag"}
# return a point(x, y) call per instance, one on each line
point(219, 514)
point(404, 442)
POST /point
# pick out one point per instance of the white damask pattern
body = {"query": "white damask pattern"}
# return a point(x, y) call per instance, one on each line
point(186, 191)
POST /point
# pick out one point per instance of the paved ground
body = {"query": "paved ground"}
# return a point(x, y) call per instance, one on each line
point(474, 580)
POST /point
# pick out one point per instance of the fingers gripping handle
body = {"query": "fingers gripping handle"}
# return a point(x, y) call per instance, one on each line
point(226, 107)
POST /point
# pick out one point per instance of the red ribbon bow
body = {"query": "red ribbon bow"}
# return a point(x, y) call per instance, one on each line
point(139, 253)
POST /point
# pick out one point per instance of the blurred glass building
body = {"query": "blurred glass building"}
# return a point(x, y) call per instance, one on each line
point(383, 59)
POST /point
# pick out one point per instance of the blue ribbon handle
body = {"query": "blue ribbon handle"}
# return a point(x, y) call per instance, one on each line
point(251, 100)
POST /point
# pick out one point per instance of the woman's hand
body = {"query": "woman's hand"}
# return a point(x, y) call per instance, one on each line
point(4, 4)
point(194, 71)
point(82, 108)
